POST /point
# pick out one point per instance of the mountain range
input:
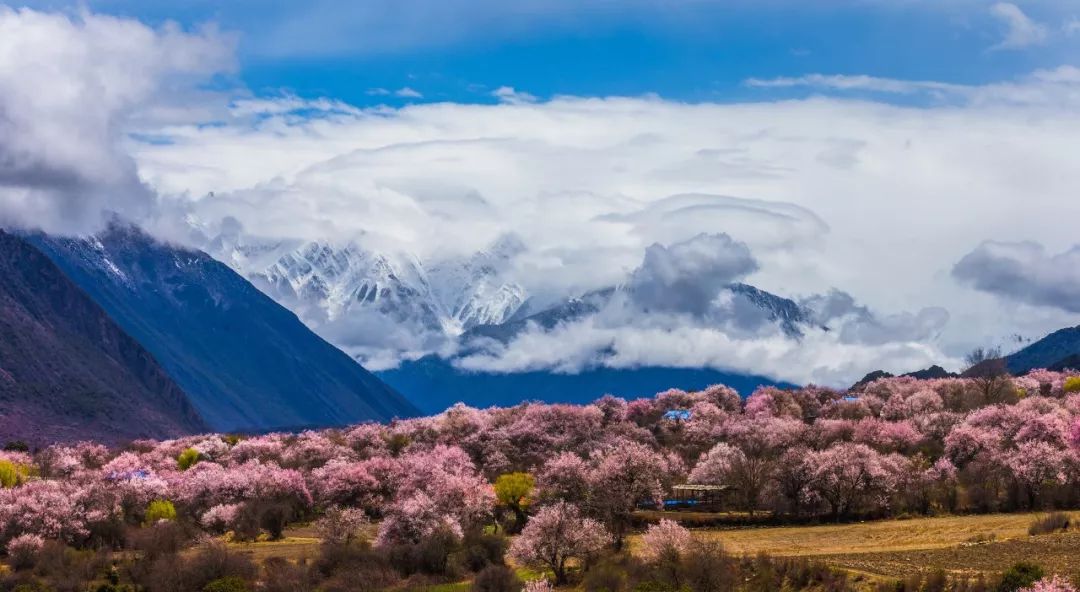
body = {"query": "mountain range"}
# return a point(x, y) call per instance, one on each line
point(362, 299)
point(356, 297)
point(246, 362)
point(68, 371)
point(124, 335)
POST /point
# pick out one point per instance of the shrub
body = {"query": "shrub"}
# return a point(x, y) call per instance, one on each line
point(540, 585)
point(187, 459)
point(497, 578)
point(282, 575)
point(23, 551)
point(353, 568)
point(159, 510)
point(227, 584)
point(212, 562)
point(11, 474)
point(481, 550)
point(1072, 384)
point(16, 446)
point(160, 540)
point(513, 491)
point(708, 568)
point(1054, 522)
point(1054, 584)
point(665, 541)
point(341, 525)
point(67, 569)
point(256, 516)
point(604, 578)
point(1021, 575)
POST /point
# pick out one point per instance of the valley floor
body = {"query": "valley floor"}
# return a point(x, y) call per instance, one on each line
point(894, 548)
point(882, 549)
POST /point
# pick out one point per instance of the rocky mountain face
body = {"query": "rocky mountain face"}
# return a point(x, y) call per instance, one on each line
point(347, 293)
point(246, 362)
point(67, 370)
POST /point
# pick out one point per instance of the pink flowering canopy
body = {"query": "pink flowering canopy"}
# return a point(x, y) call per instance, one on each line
point(896, 445)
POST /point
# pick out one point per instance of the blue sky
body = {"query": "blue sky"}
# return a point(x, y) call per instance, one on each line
point(689, 50)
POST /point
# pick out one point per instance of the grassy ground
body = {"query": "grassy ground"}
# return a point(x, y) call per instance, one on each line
point(300, 542)
point(889, 548)
point(901, 547)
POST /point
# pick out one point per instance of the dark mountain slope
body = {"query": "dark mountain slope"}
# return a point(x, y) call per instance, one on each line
point(67, 371)
point(435, 384)
point(246, 362)
point(1046, 352)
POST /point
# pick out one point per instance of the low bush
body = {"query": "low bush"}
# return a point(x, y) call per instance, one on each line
point(497, 578)
point(66, 569)
point(282, 575)
point(1072, 384)
point(430, 556)
point(258, 516)
point(482, 550)
point(23, 551)
point(11, 474)
point(354, 567)
point(1053, 522)
point(227, 584)
point(605, 577)
point(1020, 575)
point(187, 459)
point(159, 540)
point(159, 510)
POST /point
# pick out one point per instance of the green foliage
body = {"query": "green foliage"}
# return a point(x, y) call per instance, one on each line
point(227, 584)
point(232, 439)
point(11, 474)
point(159, 510)
point(187, 459)
point(513, 489)
point(16, 446)
point(1021, 575)
point(1072, 384)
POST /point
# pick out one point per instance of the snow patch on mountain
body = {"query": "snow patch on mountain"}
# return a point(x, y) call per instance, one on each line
point(364, 300)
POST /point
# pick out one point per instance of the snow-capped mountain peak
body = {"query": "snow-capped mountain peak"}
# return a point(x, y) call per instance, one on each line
point(335, 287)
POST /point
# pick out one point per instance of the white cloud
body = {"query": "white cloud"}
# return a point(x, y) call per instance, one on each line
point(857, 83)
point(70, 88)
point(1053, 88)
point(687, 276)
point(873, 198)
point(819, 357)
point(407, 93)
point(1020, 30)
point(1024, 272)
point(508, 94)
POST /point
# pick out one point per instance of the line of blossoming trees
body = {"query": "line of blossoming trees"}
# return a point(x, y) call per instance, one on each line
point(897, 446)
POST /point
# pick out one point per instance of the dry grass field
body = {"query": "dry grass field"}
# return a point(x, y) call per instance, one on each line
point(890, 548)
point(902, 547)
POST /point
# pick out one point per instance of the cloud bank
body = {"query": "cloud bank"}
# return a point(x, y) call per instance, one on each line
point(1024, 272)
point(71, 88)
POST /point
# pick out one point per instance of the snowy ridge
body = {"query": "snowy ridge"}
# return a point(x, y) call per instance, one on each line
point(343, 284)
